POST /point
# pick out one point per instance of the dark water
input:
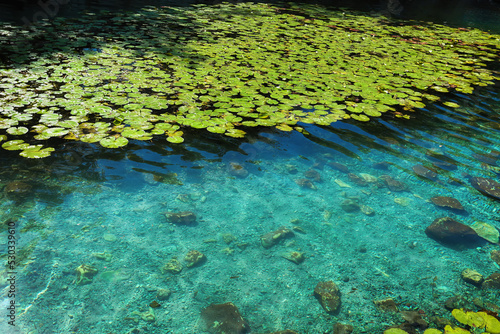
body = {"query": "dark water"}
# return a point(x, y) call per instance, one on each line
point(477, 14)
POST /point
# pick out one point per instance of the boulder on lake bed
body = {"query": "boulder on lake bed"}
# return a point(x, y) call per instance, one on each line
point(338, 166)
point(393, 184)
point(328, 295)
point(305, 183)
point(223, 319)
point(450, 232)
point(272, 238)
point(425, 172)
point(486, 186)
point(447, 202)
point(181, 218)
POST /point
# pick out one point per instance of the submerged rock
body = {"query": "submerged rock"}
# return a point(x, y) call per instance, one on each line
point(194, 258)
point(173, 266)
point(305, 183)
point(392, 184)
point(447, 202)
point(236, 169)
point(473, 277)
point(349, 205)
point(386, 305)
point(340, 328)
point(369, 178)
point(486, 186)
point(448, 231)
point(425, 172)
point(84, 274)
point(367, 210)
point(328, 295)
point(357, 179)
point(313, 175)
point(223, 319)
point(181, 218)
point(163, 294)
point(272, 238)
point(492, 281)
point(294, 256)
point(338, 166)
point(495, 256)
point(17, 188)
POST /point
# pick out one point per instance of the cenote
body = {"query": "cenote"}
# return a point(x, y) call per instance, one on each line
point(249, 168)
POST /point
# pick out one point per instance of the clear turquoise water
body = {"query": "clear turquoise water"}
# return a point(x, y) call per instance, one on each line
point(85, 194)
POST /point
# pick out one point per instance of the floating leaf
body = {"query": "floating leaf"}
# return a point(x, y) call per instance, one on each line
point(451, 104)
point(13, 145)
point(36, 152)
point(21, 130)
point(114, 142)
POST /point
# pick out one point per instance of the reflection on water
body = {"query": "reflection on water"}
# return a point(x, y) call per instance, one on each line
point(274, 214)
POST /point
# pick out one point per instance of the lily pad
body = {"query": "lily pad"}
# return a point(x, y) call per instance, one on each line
point(114, 142)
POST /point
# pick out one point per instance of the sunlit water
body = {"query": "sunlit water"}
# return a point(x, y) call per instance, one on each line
point(107, 209)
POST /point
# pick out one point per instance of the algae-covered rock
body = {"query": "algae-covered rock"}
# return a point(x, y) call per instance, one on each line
point(84, 274)
point(294, 256)
point(393, 184)
point(173, 266)
point(472, 276)
point(272, 238)
point(181, 218)
point(449, 231)
point(328, 295)
point(194, 258)
point(386, 305)
point(447, 202)
point(488, 187)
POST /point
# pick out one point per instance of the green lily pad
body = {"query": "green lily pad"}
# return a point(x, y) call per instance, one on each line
point(114, 142)
point(13, 145)
point(36, 152)
point(20, 130)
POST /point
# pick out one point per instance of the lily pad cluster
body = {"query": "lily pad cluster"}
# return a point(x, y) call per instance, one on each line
point(113, 77)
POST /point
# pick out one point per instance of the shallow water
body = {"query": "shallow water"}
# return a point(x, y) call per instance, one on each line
point(107, 208)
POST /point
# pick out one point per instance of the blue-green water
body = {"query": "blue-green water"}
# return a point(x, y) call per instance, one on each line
point(86, 200)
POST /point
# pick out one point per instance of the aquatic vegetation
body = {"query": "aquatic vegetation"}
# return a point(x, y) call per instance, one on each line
point(224, 69)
